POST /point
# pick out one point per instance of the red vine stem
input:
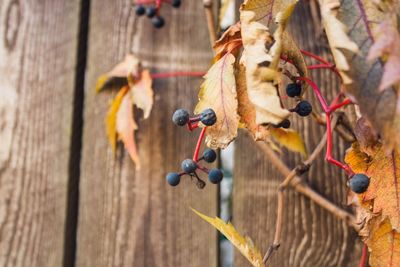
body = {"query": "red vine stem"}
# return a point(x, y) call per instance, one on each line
point(198, 145)
point(363, 259)
point(328, 111)
point(326, 64)
point(178, 74)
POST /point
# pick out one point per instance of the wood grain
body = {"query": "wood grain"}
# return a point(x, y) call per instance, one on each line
point(38, 47)
point(128, 217)
point(311, 236)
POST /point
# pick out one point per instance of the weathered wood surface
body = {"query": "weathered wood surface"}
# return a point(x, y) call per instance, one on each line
point(311, 236)
point(128, 217)
point(38, 49)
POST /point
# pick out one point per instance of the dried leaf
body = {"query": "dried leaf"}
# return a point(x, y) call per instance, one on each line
point(384, 172)
point(142, 93)
point(218, 92)
point(111, 119)
point(126, 127)
point(290, 139)
point(383, 243)
point(362, 77)
point(246, 110)
point(387, 45)
point(229, 42)
point(244, 245)
point(223, 9)
point(117, 77)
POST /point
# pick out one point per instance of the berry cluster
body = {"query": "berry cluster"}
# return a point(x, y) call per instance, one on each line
point(189, 166)
point(152, 10)
point(303, 107)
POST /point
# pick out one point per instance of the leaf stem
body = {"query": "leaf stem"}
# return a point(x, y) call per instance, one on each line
point(198, 145)
point(364, 253)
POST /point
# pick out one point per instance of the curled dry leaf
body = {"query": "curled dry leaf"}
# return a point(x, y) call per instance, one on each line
point(229, 42)
point(118, 76)
point(362, 76)
point(243, 244)
point(142, 93)
point(384, 172)
point(218, 92)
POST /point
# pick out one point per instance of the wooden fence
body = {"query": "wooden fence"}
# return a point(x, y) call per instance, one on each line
point(65, 200)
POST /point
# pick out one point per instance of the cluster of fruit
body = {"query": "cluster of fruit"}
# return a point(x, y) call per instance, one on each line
point(189, 166)
point(152, 11)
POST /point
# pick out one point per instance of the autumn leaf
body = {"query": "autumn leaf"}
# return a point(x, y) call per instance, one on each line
point(383, 243)
point(244, 245)
point(387, 45)
point(142, 93)
point(118, 76)
point(126, 126)
point(362, 76)
point(290, 139)
point(111, 119)
point(223, 8)
point(218, 92)
point(229, 42)
point(384, 172)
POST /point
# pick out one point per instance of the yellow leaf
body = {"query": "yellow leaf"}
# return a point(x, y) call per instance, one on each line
point(111, 119)
point(290, 139)
point(384, 172)
point(383, 243)
point(126, 127)
point(142, 93)
point(218, 92)
point(244, 245)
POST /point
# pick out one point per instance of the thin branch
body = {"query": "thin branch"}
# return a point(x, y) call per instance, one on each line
point(210, 21)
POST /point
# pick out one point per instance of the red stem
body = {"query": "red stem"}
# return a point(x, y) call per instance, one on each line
point(363, 259)
point(178, 74)
point(334, 107)
point(198, 145)
point(321, 99)
point(325, 63)
point(319, 66)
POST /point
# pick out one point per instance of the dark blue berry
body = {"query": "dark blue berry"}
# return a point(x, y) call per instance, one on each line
point(303, 108)
point(209, 155)
point(158, 22)
point(293, 89)
point(359, 183)
point(215, 176)
point(151, 11)
point(140, 10)
point(208, 117)
point(189, 166)
point(284, 124)
point(173, 178)
point(180, 117)
point(176, 3)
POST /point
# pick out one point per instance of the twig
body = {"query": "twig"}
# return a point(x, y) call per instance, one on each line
point(293, 179)
point(210, 21)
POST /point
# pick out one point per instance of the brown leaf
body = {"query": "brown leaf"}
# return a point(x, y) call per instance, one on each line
point(142, 93)
point(117, 77)
point(126, 127)
point(229, 42)
point(111, 119)
point(218, 92)
point(384, 172)
point(362, 77)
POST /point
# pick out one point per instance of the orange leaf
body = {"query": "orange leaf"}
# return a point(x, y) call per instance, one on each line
point(142, 93)
point(384, 172)
point(111, 119)
point(126, 127)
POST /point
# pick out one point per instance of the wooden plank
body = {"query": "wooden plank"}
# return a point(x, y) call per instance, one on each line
point(128, 217)
point(38, 47)
point(311, 236)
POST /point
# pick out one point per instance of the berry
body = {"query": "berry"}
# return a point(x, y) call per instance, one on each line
point(208, 117)
point(158, 22)
point(359, 183)
point(176, 3)
point(303, 108)
point(151, 11)
point(215, 176)
point(140, 10)
point(293, 89)
point(180, 117)
point(189, 166)
point(173, 178)
point(209, 155)
point(284, 124)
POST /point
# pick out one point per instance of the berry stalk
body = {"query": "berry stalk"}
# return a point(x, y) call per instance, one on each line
point(198, 145)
